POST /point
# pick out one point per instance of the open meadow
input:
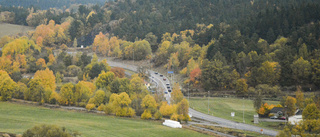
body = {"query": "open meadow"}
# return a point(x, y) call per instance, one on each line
point(17, 118)
point(222, 107)
point(11, 29)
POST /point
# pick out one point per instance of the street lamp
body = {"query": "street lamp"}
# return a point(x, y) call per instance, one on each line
point(208, 101)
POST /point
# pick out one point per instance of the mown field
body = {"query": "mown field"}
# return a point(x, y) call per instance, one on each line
point(11, 29)
point(16, 118)
point(222, 107)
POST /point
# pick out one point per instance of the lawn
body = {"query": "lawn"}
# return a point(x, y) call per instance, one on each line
point(222, 107)
point(11, 29)
point(16, 118)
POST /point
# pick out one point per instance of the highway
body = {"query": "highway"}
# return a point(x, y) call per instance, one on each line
point(160, 82)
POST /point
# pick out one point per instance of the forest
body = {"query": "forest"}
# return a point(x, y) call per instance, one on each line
point(256, 48)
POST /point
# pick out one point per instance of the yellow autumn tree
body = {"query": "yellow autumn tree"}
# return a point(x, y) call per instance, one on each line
point(150, 105)
point(7, 86)
point(47, 78)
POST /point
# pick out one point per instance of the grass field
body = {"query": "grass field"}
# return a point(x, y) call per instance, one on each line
point(222, 107)
point(16, 118)
point(11, 29)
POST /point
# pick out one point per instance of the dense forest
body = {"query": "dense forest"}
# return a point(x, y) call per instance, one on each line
point(239, 36)
point(47, 4)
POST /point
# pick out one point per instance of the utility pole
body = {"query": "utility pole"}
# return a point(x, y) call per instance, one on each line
point(243, 110)
point(188, 93)
point(133, 55)
point(208, 101)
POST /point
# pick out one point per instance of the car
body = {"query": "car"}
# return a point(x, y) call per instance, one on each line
point(161, 75)
point(156, 73)
point(169, 90)
point(274, 117)
point(168, 87)
point(282, 118)
point(168, 84)
point(165, 92)
point(164, 79)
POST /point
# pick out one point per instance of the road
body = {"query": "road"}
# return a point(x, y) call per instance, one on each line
point(155, 77)
point(194, 113)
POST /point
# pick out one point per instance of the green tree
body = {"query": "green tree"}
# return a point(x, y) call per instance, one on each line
point(176, 94)
point(104, 80)
point(311, 112)
point(67, 94)
point(99, 97)
point(242, 87)
point(291, 105)
point(300, 98)
point(301, 70)
point(183, 109)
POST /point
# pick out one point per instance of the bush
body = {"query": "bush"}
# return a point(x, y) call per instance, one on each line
point(146, 114)
point(125, 112)
point(101, 107)
point(82, 104)
point(175, 117)
point(158, 115)
point(48, 131)
point(90, 106)
point(108, 109)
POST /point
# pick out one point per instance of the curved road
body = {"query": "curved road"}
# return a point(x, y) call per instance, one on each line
point(197, 114)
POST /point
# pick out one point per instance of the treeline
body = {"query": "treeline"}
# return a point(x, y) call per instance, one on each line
point(47, 4)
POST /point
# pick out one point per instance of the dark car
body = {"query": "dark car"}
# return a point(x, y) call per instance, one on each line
point(168, 87)
point(156, 73)
point(169, 90)
point(161, 75)
point(168, 84)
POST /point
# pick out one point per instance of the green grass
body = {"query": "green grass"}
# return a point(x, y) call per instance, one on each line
point(11, 29)
point(17, 118)
point(222, 107)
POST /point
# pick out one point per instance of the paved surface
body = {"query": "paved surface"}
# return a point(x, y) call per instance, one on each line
point(231, 124)
point(194, 113)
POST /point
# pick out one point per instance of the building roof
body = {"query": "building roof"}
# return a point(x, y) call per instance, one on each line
point(299, 112)
point(276, 110)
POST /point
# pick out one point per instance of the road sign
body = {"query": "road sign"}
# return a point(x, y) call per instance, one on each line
point(170, 72)
point(232, 114)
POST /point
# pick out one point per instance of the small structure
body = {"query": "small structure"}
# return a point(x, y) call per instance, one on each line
point(256, 119)
point(173, 124)
point(277, 111)
point(293, 120)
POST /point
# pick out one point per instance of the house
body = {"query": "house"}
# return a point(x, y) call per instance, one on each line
point(295, 118)
point(277, 111)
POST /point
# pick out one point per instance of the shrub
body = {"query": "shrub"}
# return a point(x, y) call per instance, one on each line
point(48, 131)
point(157, 115)
point(90, 106)
point(82, 104)
point(146, 114)
point(101, 107)
point(108, 109)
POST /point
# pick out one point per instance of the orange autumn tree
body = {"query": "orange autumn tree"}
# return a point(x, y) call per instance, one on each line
point(195, 75)
point(41, 63)
point(265, 109)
